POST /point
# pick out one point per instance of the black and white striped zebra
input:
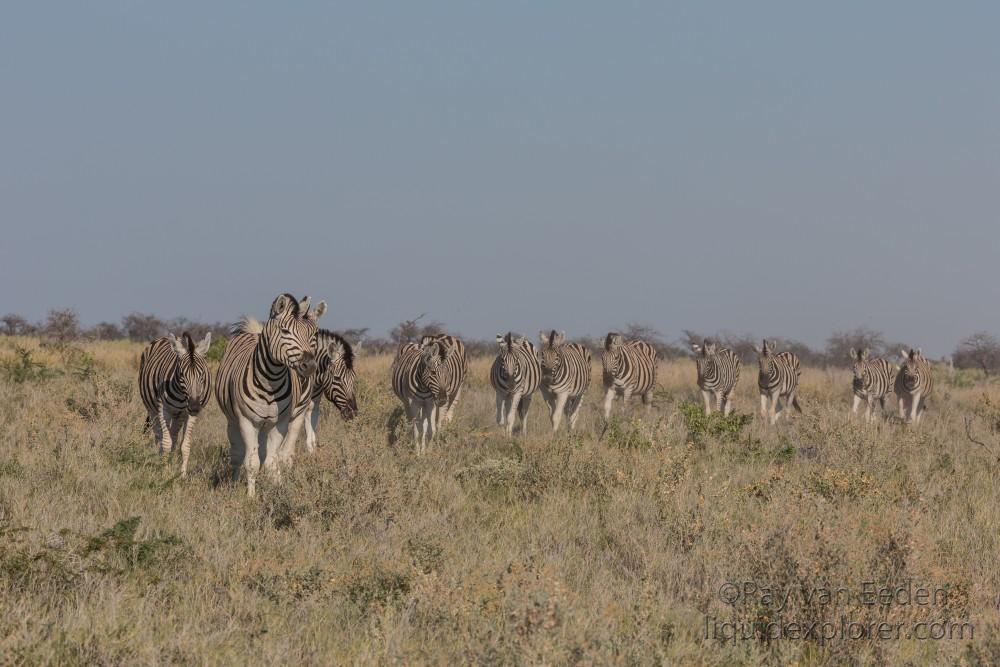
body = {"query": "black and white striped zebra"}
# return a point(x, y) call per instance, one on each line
point(334, 379)
point(629, 367)
point(263, 385)
point(914, 384)
point(778, 378)
point(873, 379)
point(427, 378)
point(718, 374)
point(175, 384)
point(565, 376)
point(515, 375)
point(457, 368)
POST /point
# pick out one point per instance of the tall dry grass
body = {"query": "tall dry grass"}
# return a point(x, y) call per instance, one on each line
point(544, 549)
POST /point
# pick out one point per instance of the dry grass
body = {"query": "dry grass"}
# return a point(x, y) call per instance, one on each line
point(489, 550)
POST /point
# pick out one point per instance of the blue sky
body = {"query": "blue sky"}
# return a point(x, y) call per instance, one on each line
point(776, 168)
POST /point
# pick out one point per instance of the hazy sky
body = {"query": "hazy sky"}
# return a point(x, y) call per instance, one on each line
point(777, 168)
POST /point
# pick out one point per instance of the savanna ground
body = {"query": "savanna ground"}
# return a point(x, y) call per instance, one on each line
point(544, 549)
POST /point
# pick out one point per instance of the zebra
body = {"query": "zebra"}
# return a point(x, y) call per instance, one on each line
point(718, 373)
point(873, 379)
point(914, 384)
point(565, 376)
point(174, 383)
point(514, 375)
point(778, 378)
point(629, 368)
point(263, 384)
point(335, 379)
point(427, 378)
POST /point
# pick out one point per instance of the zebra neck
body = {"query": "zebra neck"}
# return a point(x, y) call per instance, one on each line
point(270, 376)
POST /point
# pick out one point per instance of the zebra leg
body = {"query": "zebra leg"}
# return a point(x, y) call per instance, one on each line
point(726, 404)
point(286, 446)
point(176, 423)
point(856, 405)
point(902, 408)
point(522, 411)
point(186, 443)
point(647, 399)
point(626, 396)
point(311, 423)
point(871, 404)
point(236, 450)
point(511, 416)
point(706, 396)
point(557, 411)
point(165, 438)
point(450, 413)
point(574, 411)
point(251, 455)
point(764, 413)
point(915, 407)
point(272, 450)
point(921, 408)
point(775, 410)
point(881, 402)
point(501, 410)
point(153, 420)
point(609, 399)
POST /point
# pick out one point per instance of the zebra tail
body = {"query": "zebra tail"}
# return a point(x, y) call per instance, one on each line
point(795, 404)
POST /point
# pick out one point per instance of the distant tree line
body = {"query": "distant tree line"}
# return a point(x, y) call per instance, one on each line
point(979, 351)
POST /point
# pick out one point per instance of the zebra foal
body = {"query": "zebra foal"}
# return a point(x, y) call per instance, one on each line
point(629, 367)
point(777, 379)
point(873, 378)
point(427, 378)
point(515, 375)
point(718, 373)
point(334, 379)
point(914, 384)
point(174, 384)
point(565, 377)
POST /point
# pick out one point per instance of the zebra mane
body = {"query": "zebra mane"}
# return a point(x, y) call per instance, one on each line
point(247, 325)
point(326, 336)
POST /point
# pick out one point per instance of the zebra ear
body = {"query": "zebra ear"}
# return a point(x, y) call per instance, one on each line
point(543, 337)
point(709, 348)
point(697, 348)
point(202, 348)
point(558, 338)
point(177, 344)
point(865, 353)
point(758, 350)
point(853, 354)
point(509, 339)
point(903, 353)
point(317, 312)
point(500, 340)
point(281, 304)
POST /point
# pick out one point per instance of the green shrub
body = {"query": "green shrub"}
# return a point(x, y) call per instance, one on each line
point(716, 425)
point(629, 434)
point(25, 369)
point(216, 349)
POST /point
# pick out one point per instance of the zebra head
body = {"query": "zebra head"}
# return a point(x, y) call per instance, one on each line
point(191, 376)
point(433, 372)
point(551, 351)
point(913, 361)
point(335, 372)
point(705, 357)
point(765, 358)
point(508, 360)
point(862, 376)
point(290, 333)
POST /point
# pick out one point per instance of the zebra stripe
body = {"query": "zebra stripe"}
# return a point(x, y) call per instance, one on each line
point(718, 373)
point(628, 368)
point(174, 384)
point(914, 383)
point(263, 384)
point(873, 378)
point(778, 378)
point(427, 378)
point(515, 375)
point(335, 379)
point(565, 376)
